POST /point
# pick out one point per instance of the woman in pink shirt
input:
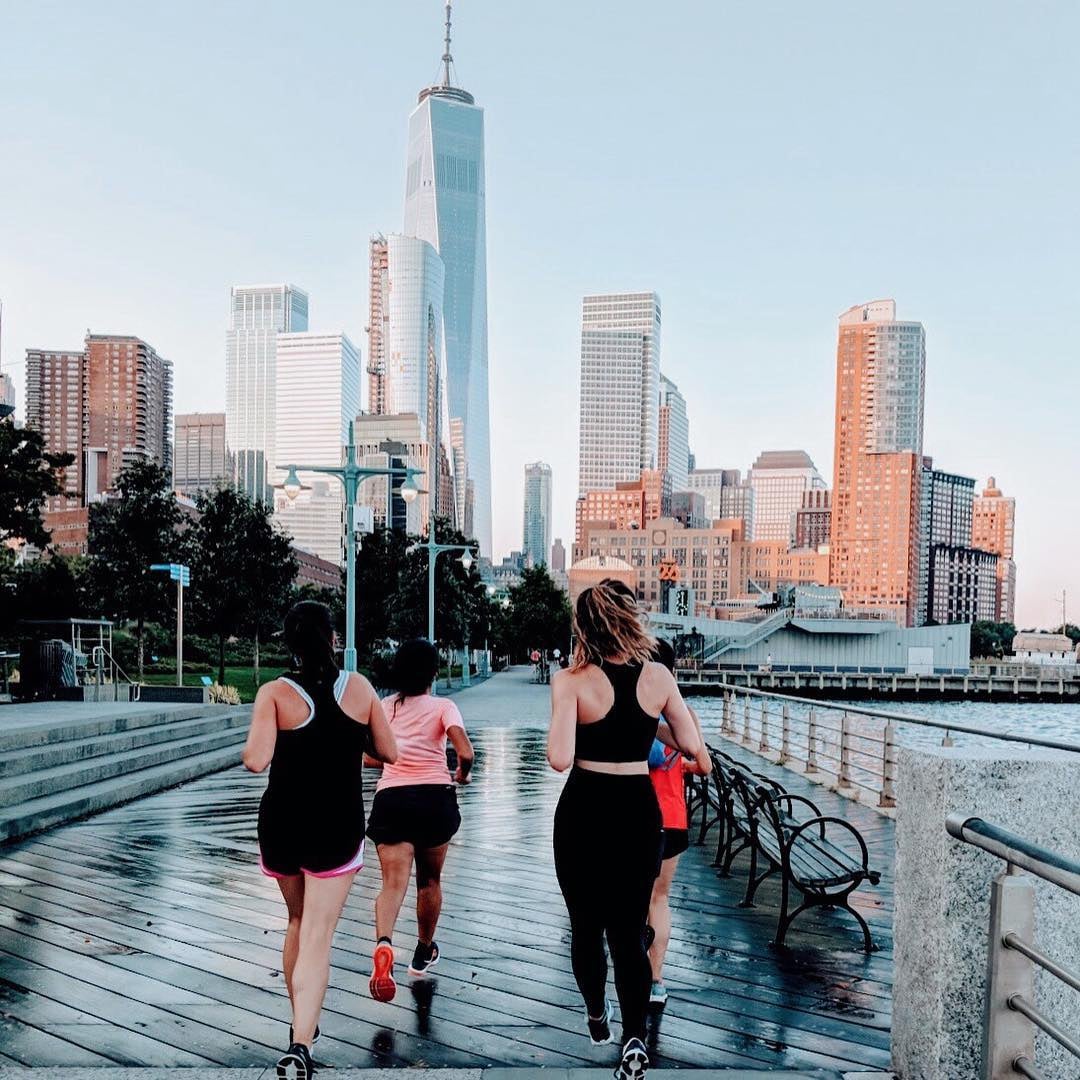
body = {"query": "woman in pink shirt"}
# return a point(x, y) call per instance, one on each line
point(414, 813)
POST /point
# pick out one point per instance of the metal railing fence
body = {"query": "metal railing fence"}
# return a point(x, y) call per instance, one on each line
point(1011, 1015)
point(853, 746)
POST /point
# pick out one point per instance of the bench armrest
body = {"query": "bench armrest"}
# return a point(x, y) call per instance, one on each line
point(822, 821)
point(791, 799)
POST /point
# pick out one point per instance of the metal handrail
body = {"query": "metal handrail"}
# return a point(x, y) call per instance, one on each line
point(1011, 1013)
point(896, 717)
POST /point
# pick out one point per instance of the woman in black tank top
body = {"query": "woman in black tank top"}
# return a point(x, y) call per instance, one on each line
point(607, 836)
point(312, 728)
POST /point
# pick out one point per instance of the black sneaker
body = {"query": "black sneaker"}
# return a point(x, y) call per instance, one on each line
point(296, 1064)
point(314, 1038)
point(600, 1030)
point(634, 1061)
point(425, 956)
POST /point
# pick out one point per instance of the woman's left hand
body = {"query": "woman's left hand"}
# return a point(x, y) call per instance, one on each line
point(460, 777)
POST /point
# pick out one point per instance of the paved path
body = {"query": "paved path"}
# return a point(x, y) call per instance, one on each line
point(145, 937)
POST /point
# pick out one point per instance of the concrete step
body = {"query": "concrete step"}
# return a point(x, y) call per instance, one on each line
point(51, 754)
point(77, 774)
point(62, 806)
point(46, 724)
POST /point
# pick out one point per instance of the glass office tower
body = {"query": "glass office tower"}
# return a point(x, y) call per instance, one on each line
point(444, 205)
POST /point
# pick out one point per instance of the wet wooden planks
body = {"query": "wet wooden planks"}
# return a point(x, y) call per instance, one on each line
point(146, 936)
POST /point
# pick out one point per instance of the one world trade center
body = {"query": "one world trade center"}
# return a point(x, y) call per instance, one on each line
point(444, 205)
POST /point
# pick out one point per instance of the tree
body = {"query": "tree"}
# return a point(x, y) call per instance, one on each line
point(991, 639)
point(242, 568)
point(379, 563)
point(28, 476)
point(461, 607)
point(52, 588)
point(537, 617)
point(128, 534)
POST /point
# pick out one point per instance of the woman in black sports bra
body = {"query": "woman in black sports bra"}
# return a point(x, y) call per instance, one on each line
point(312, 728)
point(604, 714)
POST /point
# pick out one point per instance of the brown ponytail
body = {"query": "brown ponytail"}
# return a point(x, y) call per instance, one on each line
point(607, 624)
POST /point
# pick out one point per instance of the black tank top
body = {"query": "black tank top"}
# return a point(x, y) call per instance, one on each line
point(627, 731)
point(317, 768)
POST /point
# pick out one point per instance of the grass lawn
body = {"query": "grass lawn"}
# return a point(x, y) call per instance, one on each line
point(243, 678)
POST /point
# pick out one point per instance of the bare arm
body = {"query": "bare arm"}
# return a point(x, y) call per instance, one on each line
point(459, 740)
point(262, 735)
point(561, 734)
point(702, 765)
point(677, 713)
point(383, 744)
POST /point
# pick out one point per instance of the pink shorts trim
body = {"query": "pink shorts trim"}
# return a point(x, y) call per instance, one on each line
point(351, 867)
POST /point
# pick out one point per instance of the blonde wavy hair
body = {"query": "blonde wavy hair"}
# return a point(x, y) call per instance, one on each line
point(607, 624)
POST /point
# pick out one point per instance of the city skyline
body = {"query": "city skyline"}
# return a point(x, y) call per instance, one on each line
point(736, 327)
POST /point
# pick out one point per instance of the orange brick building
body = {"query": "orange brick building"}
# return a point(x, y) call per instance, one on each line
point(992, 526)
point(880, 381)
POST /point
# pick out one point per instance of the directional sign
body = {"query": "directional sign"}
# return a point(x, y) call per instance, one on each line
point(176, 571)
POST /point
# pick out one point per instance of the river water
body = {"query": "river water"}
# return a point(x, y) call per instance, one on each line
point(1047, 721)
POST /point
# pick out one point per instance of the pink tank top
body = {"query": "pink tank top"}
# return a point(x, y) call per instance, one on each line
point(419, 725)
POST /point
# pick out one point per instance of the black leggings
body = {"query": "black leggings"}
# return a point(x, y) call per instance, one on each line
point(607, 854)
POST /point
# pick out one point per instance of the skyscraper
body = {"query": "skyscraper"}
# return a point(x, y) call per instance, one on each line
point(993, 525)
point(620, 389)
point(875, 546)
point(444, 205)
point(199, 460)
point(258, 314)
point(378, 326)
point(536, 544)
point(727, 495)
point(108, 405)
point(317, 388)
point(558, 557)
point(673, 455)
point(779, 479)
point(415, 380)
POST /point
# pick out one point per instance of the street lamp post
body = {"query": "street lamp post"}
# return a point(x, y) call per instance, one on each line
point(351, 476)
point(182, 576)
point(434, 550)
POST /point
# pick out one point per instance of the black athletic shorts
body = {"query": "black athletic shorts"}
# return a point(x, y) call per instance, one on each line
point(676, 841)
point(424, 815)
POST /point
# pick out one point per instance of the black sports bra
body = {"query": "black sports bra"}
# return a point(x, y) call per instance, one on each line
point(627, 731)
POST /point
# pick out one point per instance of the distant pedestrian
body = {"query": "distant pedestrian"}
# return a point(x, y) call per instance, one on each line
point(607, 838)
point(414, 814)
point(312, 727)
point(667, 771)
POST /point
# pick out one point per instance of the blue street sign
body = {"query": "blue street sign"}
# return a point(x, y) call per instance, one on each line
point(177, 572)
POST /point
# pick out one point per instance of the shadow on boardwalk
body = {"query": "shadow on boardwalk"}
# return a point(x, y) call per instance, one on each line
point(146, 936)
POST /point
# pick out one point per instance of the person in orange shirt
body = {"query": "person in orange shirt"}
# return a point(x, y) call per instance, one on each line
point(667, 769)
point(414, 814)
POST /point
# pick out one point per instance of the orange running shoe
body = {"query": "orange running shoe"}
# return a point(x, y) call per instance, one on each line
point(382, 985)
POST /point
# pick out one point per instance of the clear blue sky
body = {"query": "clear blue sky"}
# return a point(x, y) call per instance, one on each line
point(762, 166)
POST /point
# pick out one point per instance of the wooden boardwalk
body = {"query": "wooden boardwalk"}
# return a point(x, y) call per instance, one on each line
point(146, 936)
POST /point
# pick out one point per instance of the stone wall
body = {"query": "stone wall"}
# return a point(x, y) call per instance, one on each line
point(943, 901)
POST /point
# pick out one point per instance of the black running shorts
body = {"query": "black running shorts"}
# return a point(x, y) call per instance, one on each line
point(676, 841)
point(424, 815)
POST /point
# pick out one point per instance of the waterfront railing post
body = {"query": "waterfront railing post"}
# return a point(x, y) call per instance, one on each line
point(746, 720)
point(888, 767)
point(785, 734)
point(1008, 1035)
point(811, 741)
point(764, 743)
point(844, 778)
point(725, 724)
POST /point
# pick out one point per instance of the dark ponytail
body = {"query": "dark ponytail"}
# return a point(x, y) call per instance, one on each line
point(415, 668)
point(309, 634)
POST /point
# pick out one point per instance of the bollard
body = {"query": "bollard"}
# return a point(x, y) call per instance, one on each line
point(764, 743)
point(888, 767)
point(811, 741)
point(844, 778)
point(785, 734)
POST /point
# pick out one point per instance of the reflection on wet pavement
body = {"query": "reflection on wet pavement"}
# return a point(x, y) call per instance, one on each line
point(146, 936)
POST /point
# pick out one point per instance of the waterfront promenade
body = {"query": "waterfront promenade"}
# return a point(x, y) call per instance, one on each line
point(145, 936)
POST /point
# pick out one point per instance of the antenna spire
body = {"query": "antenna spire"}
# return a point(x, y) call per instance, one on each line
point(447, 59)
